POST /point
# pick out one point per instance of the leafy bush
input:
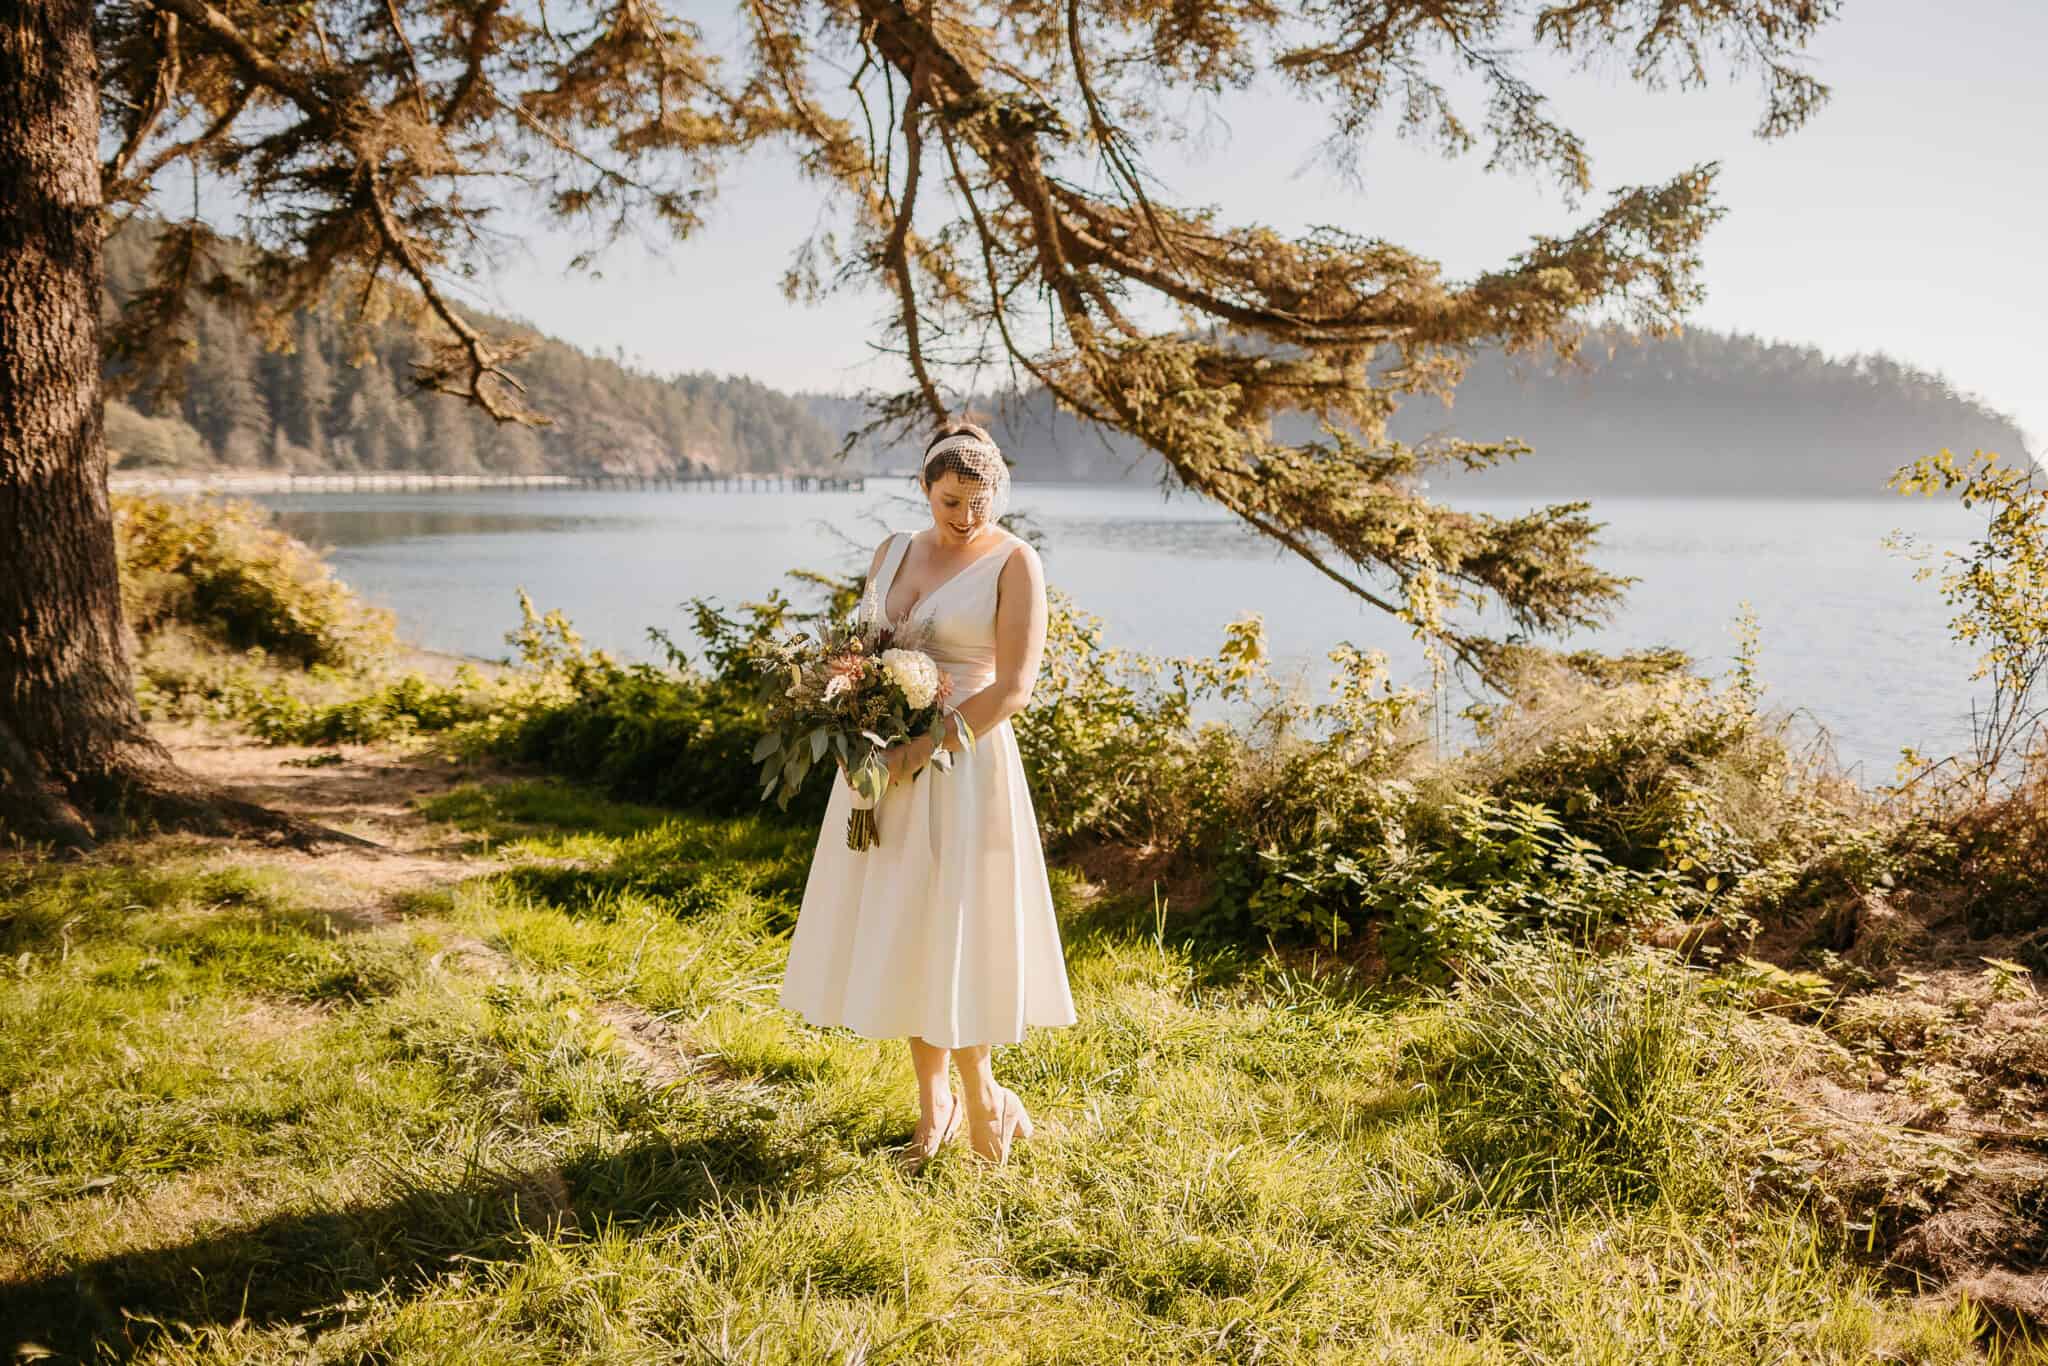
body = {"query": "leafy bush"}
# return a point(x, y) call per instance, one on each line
point(2000, 593)
point(1115, 752)
point(1109, 738)
point(221, 569)
point(1448, 883)
point(1669, 773)
point(408, 705)
point(670, 733)
point(1564, 1079)
point(2003, 863)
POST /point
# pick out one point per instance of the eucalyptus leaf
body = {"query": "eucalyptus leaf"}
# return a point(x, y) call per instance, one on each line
point(870, 780)
point(766, 745)
point(819, 739)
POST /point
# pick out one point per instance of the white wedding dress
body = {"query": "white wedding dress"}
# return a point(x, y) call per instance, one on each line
point(945, 929)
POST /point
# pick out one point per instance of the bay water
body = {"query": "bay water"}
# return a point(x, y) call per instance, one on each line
point(1850, 642)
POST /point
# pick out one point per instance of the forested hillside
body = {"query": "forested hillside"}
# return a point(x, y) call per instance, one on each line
point(308, 409)
point(1706, 413)
point(1710, 413)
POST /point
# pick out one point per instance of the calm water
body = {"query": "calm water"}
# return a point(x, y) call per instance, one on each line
point(1848, 637)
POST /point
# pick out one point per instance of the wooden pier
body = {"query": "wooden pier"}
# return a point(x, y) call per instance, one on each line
point(395, 481)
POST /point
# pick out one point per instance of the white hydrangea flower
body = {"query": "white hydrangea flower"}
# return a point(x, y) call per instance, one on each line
point(914, 672)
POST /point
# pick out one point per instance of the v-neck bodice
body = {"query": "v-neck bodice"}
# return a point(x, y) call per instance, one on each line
point(955, 623)
point(901, 552)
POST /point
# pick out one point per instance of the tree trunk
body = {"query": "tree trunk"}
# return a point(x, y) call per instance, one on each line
point(75, 757)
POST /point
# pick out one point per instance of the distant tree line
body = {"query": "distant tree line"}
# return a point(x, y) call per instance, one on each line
point(1710, 413)
point(309, 408)
point(1702, 413)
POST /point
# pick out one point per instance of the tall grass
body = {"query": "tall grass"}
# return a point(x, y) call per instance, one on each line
point(1569, 1079)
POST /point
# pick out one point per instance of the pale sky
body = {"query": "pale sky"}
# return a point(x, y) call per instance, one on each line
point(1909, 217)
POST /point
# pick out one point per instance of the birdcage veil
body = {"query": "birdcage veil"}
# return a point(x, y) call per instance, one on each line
point(968, 452)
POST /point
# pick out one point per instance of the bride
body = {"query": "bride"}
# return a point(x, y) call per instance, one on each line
point(944, 930)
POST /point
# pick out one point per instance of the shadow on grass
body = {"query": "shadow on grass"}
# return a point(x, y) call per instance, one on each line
point(540, 806)
point(1218, 955)
point(60, 904)
point(693, 862)
point(308, 1267)
point(686, 887)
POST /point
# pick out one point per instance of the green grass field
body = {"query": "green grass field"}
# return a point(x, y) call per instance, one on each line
point(554, 1113)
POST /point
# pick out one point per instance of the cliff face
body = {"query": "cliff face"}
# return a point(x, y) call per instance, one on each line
point(310, 410)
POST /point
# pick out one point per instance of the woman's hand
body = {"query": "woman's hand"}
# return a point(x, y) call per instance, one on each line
point(906, 757)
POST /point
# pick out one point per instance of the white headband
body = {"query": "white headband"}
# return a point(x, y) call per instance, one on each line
point(963, 441)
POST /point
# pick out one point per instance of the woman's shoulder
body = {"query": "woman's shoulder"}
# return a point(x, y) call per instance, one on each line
point(1021, 556)
point(882, 551)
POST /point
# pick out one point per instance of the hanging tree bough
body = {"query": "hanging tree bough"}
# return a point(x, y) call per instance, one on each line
point(1331, 323)
point(990, 160)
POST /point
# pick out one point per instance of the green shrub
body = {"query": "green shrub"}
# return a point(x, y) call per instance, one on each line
point(406, 706)
point(2000, 593)
point(1316, 819)
point(1676, 774)
point(1110, 740)
point(1447, 881)
point(222, 570)
point(2003, 863)
point(669, 734)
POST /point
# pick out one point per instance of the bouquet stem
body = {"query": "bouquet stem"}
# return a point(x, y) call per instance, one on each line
point(861, 833)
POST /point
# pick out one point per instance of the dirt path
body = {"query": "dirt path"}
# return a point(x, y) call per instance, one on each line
point(371, 791)
point(375, 791)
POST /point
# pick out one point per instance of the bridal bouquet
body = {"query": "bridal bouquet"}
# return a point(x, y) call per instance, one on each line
point(850, 692)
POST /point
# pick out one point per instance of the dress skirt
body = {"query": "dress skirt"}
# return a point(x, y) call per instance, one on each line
point(944, 930)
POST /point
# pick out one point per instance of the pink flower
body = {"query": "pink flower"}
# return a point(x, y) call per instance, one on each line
point(842, 674)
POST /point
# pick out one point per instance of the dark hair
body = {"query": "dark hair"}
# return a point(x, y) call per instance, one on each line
point(937, 467)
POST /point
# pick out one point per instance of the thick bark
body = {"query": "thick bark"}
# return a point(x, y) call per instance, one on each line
point(75, 756)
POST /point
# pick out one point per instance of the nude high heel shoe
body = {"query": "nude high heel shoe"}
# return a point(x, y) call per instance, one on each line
point(1012, 1121)
point(915, 1156)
